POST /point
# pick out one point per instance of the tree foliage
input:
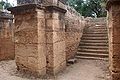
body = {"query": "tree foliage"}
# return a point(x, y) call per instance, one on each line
point(89, 8)
point(4, 4)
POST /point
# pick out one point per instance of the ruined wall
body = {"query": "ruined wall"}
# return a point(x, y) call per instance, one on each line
point(113, 7)
point(55, 32)
point(45, 36)
point(75, 24)
point(30, 46)
point(6, 36)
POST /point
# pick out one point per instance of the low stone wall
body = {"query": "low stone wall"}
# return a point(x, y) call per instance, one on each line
point(75, 24)
point(6, 36)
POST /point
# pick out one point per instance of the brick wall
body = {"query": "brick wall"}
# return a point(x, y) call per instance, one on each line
point(6, 36)
point(75, 24)
point(113, 7)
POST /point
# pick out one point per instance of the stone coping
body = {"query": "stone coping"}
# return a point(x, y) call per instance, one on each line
point(5, 15)
point(23, 8)
point(27, 7)
point(51, 8)
point(111, 2)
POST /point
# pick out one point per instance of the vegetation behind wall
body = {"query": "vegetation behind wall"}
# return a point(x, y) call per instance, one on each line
point(89, 8)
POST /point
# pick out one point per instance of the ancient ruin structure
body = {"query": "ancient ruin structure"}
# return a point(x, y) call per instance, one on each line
point(46, 35)
point(113, 7)
point(6, 36)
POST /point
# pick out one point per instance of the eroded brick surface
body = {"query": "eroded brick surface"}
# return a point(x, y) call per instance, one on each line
point(6, 37)
point(113, 7)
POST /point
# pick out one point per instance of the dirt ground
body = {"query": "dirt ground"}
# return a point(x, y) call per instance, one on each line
point(82, 70)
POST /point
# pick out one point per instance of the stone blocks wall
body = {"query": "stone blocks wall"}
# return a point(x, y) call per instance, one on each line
point(45, 37)
point(113, 7)
point(55, 33)
point(39, 39)
point(73, 31)
point(6, 36)
point(30, 46)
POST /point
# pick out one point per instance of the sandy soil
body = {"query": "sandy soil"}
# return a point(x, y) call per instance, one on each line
point(82, 70)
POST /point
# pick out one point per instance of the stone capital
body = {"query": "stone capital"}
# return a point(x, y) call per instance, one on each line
point(24, 8)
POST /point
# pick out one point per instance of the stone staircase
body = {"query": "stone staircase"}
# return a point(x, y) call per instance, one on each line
point(94, 43)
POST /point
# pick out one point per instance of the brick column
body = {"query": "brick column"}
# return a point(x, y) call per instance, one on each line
point(6, 36)
point(113, 7)
point(55, 32)
point(30, 41)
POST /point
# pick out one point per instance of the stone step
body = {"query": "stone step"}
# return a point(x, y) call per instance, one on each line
point(93, 44)
point(91, 58)
point(95, 35)
point(93, 50)
point(94, 32)
point(99, 27)
point(92, 54)
point(94, 41)
point(94, 38)
point(104, 29)
point(94, 47)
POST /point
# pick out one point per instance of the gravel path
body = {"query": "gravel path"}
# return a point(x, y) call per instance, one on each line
point(82, 70)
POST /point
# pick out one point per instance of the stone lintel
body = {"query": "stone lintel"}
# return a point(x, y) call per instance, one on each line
point(112, 2)
point(24, 8)
point(53, 8)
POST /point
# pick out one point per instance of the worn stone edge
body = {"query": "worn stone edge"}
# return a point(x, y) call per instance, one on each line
point(24, 8)
point(51, 8)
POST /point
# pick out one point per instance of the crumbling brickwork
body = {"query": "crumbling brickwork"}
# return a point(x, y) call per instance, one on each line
point(113, 7)
point(55, 33)
point(6, 36)
point(73, 31)
point(30, 45)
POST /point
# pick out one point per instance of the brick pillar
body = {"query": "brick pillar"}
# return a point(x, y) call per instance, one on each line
point(6, 36)
point(55, 32)
point(30, 41)
point(113, 7)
